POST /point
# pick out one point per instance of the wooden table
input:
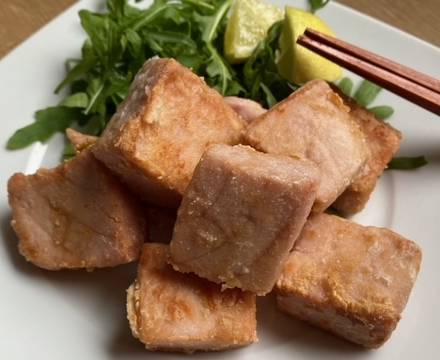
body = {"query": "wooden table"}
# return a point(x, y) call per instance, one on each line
point(20, 18)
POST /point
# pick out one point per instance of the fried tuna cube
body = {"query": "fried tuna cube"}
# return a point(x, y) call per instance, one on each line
point(77, 215)
point(240, 216)
point(351, 280)
point(248, 109)
point(157, 136)
point(383, 142)
point(171, 311)
point(314, 123)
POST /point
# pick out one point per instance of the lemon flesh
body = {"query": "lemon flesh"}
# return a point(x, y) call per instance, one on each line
point(247, 25)
point(296, 63)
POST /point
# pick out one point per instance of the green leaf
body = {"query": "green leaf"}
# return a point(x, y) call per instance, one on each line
point(407, 163)
point(235, 88)
point(47, 122)
point(69, 151)
point(123, 37)
point(200, 3)
point(117, 87)
point(120, 10)
point(217, 67)
point(382, 112)
point(104, 36)
point(260, 72)
point(150, 14)
point(77, 100)
point(315, 5)
point(172, 16)
point(211, 24)
point(94, 126)
point(270, 98)
point(346, 86)
point(134, 42)
point(116, 8)
point(82, 68)
point(171, 37)
point(366, 93)
point(94, 91)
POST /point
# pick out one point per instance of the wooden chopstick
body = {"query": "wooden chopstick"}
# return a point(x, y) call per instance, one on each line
point(412, 85)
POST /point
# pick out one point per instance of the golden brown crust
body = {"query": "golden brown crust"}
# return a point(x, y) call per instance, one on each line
point(76, 215)
point(240, 216)
point(383, 143)
point(340, 270)
point(176, 312)
point(79, 140)
point(133, 312)
point(160, 131)
point(313, 123)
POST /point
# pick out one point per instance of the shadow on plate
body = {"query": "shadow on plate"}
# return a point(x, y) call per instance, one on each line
point(99, 295)
point(11, 246)
point(282, 330)
point(432, 157)
point(275, 330)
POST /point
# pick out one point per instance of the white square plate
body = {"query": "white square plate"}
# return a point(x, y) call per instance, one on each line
point(73, 315)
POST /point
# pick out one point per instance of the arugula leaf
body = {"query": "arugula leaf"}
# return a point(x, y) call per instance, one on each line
point(366, 93)
point(119, 41)
point(260, 72)
point(346, 86)
point(47, 122)
point(217, 67)
point(116, 8)
point(94, 126)
point(69, 151)
point(104, 36)
point(83, 67)
point(200, 3)
point(150, 14)
point(382, 112)
point(211, 24)
point(315, 5)
point(94, 91)
point(407, 163)
point(121, 10)
point(76, 100)
point(134, 42)
point(191, 31)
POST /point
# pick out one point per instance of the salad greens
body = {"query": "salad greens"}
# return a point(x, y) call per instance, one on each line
point(365, 94)
point(407, 163)
point(260, 72)
point(346, 86)
point(315, 5)
point(382, 112)
point(47, 122)
point(120, 40)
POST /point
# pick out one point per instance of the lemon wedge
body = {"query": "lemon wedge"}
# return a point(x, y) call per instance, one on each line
point(296, 63)
point(247, 25)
